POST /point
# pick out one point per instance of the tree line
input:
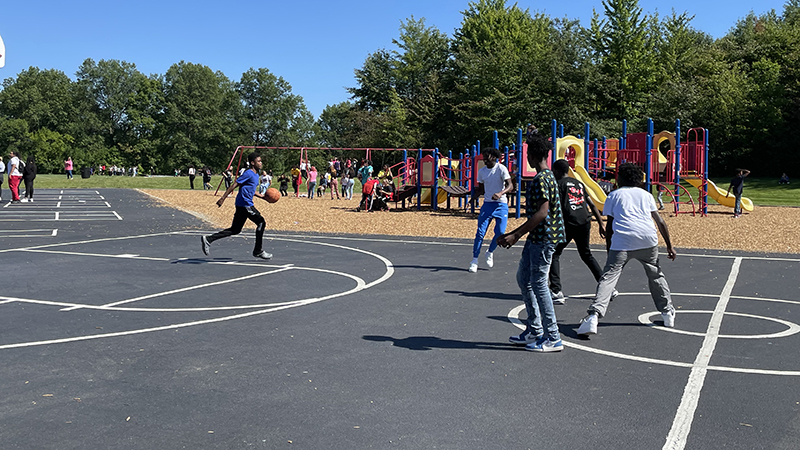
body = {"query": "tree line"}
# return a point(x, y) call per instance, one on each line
point(502, 68)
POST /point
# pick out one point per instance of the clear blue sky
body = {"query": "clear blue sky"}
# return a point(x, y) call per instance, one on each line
point(314, 45)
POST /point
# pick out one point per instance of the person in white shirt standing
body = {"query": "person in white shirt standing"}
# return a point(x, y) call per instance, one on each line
point(631, 234)
point(494, 182)
point(14, 176)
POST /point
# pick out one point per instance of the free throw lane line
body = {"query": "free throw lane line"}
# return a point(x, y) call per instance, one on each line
point(682, 425)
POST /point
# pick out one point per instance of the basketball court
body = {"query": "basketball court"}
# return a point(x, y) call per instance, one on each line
point(117, 332)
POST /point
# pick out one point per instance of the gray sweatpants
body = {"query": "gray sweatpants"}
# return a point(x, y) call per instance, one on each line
point(659, 288)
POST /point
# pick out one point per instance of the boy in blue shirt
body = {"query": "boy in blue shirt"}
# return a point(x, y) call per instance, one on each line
point(545, 229)
point(247, 184)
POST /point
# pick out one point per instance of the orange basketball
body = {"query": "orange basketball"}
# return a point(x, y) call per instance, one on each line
point(272, 195)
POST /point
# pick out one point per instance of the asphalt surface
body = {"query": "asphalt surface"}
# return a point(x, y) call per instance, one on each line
point(116, 331)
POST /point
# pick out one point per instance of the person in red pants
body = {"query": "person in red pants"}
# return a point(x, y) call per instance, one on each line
point(14, 176)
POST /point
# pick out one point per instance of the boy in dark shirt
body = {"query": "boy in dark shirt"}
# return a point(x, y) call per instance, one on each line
point(575, 208)
point(737, 187)
point(545, 229)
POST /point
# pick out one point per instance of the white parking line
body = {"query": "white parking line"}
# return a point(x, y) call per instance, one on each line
point(682, 425)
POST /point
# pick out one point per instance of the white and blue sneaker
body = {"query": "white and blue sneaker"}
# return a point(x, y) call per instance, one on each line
point(545, 345)
point(524, 338)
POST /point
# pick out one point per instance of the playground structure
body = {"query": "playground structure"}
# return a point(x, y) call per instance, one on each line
point(665, 159)
point(427, 174)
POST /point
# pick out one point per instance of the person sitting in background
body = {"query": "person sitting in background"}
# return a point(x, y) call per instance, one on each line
point(784, 179)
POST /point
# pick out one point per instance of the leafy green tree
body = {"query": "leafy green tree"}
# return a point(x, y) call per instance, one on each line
point(126, 104)
point(199, 118)
point(500, 53)
point(622, 45)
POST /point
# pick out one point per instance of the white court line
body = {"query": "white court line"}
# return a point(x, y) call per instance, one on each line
point(115, 213)
point(88, 241)
point(388, 274)
point(682, 425)
point(58, 205)
point(126, 256)
point(56, 215)
point(107, 204)
point(189, 288)
point(464, 244)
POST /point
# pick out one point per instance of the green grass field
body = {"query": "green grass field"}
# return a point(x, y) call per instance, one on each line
point(763, 191)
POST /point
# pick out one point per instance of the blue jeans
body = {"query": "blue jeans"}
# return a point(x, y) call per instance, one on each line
point(737, 206)
point(312, 186)
point(490, 210)
point(532, 278)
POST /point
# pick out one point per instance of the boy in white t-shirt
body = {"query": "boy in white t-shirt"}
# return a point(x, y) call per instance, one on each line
point(631, 234)
point(494, 182)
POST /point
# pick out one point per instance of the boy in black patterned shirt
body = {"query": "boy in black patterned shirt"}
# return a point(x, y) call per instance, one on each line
point(545, 229)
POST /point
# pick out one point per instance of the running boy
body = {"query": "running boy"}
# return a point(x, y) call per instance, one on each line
point(546, 227)
point(630, 234)
point(493, 182)
point(247, 183)
point(575, 208)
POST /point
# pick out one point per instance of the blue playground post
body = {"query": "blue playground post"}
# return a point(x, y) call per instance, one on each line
point(624, 139)
point(495, 140)
point(586, 129)
point(435, 187)
point(677, 163)
point(449, 173)
point(419, 179)
point(705, 173)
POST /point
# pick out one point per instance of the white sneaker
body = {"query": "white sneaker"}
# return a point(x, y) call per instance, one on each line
point(558, 298)
point(24, 200)
point(490, 259)
point(614, 294)
point(588, 325)
point(473, 268)
point(669, 319)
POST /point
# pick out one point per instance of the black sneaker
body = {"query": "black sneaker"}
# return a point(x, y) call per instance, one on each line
point(205, 245)
point(263, 255)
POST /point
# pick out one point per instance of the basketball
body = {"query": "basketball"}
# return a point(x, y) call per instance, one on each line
point(272, 195)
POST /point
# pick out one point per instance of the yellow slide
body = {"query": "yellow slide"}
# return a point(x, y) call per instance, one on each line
point(596, 193)
point(426, 196)
point(719, 195)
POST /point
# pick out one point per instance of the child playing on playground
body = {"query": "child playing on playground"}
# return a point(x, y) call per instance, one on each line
point(737, 187)
point(312, 181)
point(334, 183)
point(545, 229)
point(296, 180)
point(494, 182)
point(576, 206)
point(630, 234)
point(284, 184)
